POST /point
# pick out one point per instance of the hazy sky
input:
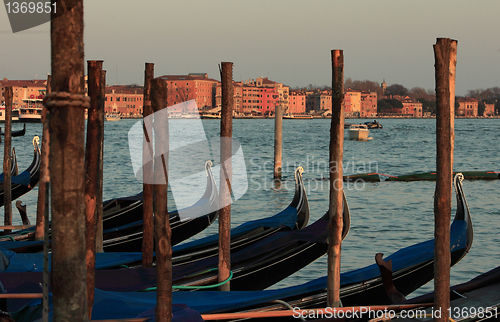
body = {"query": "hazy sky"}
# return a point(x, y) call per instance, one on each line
point(286, 40)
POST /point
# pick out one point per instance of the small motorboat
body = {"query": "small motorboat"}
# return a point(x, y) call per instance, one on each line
point(373, 125)
point(358, 132)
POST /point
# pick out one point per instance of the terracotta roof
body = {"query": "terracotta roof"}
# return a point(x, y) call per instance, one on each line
point(24, 83)
point(186, 77)
point(124, 89)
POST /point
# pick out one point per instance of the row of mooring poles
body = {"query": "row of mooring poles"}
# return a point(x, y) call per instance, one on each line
point(445, 54)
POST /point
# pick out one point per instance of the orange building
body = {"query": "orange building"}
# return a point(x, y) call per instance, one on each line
point(411, 107)
point(352, 101)
point(181, 88)
point(368, 104)
point(467, 107)
point(296, 102)
point(124, 100)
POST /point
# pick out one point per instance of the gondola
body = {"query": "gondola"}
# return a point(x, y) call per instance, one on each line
point(17, 133)
point(28, 179)
point(412, 268)
point(295, 216)
point(254, 267)
point(203, 214)
point(128, 237)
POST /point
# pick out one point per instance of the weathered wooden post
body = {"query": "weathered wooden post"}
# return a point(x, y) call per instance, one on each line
point(44, 169)
point(162, 231)
point(445, 53)
point(147, 170)
point(92, 178)
point(226, 133)
point(7, 161)
point(100, 172)
point(336, 183)
point(278, 140)
point(99, 215)
point(67, 106)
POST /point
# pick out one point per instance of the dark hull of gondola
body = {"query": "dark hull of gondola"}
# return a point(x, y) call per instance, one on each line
point(295, 216)
point(33, 171)
point(17, 132)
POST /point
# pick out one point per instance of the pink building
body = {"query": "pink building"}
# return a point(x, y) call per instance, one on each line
point(368, 104)
point(296, 102)
point(124, 100)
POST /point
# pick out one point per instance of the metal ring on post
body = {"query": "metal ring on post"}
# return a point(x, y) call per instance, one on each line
point(64, 99)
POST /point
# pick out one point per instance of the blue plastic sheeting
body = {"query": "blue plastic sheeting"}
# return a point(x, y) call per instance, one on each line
point(23, 178)
point(27, 262)
point(118, 305)
point(287, 217)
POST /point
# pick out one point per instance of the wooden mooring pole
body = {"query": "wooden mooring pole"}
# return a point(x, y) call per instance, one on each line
point(147, 170)
point(162, 231)
point(67, 105)
point(7, 161)
point(100, 174)
point(445, 53)
point(44, 169)
point(226, 133)
point(92, 177)
point(336, 183)
point(278, 140)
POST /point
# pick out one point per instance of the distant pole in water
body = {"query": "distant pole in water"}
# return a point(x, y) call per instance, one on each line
point(162, 231)
point(445, 54)
point(92, 177)
point(336, 180)
point(278, 140)
point(67, 104)
point(226, 133)
point(147, 170)
point(44, 169)
point(7, 161)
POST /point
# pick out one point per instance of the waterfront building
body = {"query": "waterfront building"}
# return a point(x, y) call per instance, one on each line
point(352, 102)
point(467, 107)
point(23, 91)
point(197, 86)
point(368, 104)
point(124, 100)
point(411, 107)
point(489, 110)
point(297, 102)
point(319, 101)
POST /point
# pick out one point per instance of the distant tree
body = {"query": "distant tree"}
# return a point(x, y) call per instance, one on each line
point(490, 95)
point(418, 92)
point(389, 105)
point(396, 89)
point(365, 86)
point(428, 105)
point(480, 108)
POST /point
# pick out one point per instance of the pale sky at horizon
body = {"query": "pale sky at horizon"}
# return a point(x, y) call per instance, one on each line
point(288, 41)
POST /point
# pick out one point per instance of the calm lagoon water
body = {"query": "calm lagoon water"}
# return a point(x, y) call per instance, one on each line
point(386, 216)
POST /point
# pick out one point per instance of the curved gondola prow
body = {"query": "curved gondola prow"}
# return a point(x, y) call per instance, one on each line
point(34, 168)
point(299, 200)
point(211, 192)
point(462, 212)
